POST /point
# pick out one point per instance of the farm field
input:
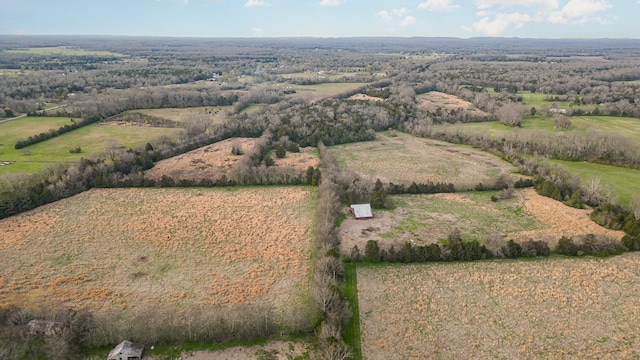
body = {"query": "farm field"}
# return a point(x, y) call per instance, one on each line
point(320, 91)
point(551, 308)
point(434, 100)
point(426, 219)
point(214, 161)
point(165, 248)
point(624, 183)
point(216, 113)
point(403, 159)
point(627, 127)
point(91, 139)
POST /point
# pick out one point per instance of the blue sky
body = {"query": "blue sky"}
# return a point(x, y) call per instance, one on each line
point(324, 18)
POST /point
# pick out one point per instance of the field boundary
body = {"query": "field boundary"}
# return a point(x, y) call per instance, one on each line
point(351, 330)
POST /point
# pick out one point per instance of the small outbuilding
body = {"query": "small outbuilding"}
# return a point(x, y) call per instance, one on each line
point(126, 350)
point(362, 211)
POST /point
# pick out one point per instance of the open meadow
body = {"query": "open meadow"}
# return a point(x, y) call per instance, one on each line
point(217, 114)
point(125, 251)
point(551, 308)
point(434, 100)
point(402, 159)
point(216, 160)
point(91, 139)
point(427, 219)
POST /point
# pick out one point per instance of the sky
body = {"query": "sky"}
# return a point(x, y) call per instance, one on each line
point(324, 18)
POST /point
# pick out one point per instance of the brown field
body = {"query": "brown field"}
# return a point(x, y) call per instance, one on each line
point(403, 158)
point(214, 161)
point(216, 113)
point(433, 100)
point(553, 308)
point(128, 249)
point(425, 219)
point(210, 161)
point(365, 97)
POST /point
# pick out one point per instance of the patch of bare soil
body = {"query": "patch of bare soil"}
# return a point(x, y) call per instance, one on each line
point(433, 100)
point(545, 309)
point(365, 97)
point(208, 162)
point(561, 220)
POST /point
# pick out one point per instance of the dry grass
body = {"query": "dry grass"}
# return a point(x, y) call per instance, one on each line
point(433, 100)
point(214, 161)
point(218, 114)
point(403, 158)
point(365, 97)
point(424, 219)
point(208, 162)
point(128, 249)
point(546, 309)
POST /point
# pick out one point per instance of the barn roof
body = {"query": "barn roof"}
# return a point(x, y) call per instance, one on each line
point(126, 348)
point(362, 211)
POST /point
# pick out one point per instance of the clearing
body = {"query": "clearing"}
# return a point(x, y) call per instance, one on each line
point(165, 248)
point(217, 114)
point(551, 308)
point(426, 219)
point(434, 100)
point(401, 159)
point(214, 161)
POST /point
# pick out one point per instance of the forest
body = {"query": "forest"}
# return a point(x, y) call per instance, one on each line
point(533, 103)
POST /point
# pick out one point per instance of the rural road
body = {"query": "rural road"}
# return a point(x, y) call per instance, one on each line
point(23, 115)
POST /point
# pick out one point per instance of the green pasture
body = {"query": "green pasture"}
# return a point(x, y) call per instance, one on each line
point(627, 127)
point(91, 139)
point(64, 51)
point(425, 219)
point(624, 183)
point(13, 130)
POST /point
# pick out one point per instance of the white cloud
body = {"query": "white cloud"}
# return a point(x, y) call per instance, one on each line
point(579, 11)
point(384, 15)
point(408, 21)
point(438, 5)
point(400, 11)
point(544, 5)
point(500, 23)
point(257, 31)
point(254, 3)
point(330, 2)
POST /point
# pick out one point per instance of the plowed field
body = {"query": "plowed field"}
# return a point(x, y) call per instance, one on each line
point(127, 249)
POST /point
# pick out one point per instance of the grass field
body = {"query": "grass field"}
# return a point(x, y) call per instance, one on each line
point(127, 249)
point(403, 159)
point(216, 113)
point(584, 125)
point(319, 91)
point(91, 139)
point(553, 308)
point(426, 219)
point(64, 51)
point(625, 183)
